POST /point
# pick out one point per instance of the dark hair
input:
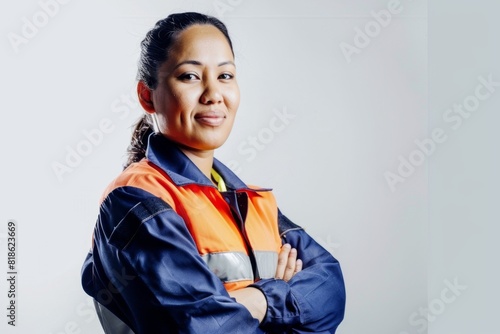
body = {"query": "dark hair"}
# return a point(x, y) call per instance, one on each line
point(154, 52)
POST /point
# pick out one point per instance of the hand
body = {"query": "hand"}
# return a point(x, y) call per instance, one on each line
point(288, 264)
point(253, 299)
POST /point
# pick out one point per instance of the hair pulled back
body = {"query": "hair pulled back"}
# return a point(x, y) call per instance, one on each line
point(155, 49)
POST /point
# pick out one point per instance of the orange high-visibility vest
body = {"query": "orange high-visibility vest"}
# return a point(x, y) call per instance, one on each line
point(227, 248)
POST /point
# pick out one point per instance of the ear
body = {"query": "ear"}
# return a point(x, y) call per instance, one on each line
point(145, 98)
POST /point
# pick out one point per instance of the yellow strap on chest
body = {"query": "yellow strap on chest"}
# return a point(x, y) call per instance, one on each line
point(221, 185)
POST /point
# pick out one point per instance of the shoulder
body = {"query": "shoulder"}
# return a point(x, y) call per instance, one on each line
point(125, 210)
point(144, 176)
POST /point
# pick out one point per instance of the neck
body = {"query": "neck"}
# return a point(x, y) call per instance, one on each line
point(202, 159)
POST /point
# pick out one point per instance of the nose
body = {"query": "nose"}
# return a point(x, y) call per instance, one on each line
point(212, 93)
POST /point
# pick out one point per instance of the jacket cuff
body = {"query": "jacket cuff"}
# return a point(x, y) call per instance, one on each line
point(283, 309)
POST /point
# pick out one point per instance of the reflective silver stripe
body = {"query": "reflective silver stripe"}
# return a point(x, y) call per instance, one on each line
point(230, 266)
point(267, 261)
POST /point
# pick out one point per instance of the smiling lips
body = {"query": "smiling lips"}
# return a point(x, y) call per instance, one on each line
point(210, 118)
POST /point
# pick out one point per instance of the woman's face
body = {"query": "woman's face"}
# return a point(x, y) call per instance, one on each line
point(197, 94)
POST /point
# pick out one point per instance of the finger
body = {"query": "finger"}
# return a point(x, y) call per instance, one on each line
point(298, 266)
point(282, 261)
point(290, 266)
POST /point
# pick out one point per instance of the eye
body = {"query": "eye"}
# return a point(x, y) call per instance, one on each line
point(188, 77)
point(226, 76)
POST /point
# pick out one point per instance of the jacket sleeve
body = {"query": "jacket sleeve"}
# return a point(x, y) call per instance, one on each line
point(313, 301)
point(147, 270)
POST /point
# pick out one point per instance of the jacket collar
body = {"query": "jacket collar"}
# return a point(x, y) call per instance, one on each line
point(166, 154)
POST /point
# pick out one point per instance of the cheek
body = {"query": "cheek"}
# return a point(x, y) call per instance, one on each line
point(178, 95)
point(233, 99)
point(186, 99)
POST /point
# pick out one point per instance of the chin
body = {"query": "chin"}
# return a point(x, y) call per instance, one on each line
point(210, 144)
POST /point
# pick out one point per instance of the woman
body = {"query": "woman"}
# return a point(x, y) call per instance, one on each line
point(181, 244)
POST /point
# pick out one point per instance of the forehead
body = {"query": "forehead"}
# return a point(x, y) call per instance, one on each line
point(200, 41)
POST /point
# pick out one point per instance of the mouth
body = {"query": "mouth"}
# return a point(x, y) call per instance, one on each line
point(210, 118)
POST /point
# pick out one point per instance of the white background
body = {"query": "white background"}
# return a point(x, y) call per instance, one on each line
point(351, 119)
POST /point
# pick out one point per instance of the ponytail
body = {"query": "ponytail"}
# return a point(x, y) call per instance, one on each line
point(138, 144)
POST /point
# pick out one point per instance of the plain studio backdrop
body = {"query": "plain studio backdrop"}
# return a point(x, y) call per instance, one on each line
point(374, 122)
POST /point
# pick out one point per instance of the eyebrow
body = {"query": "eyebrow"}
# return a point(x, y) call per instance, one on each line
point(197, 63)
